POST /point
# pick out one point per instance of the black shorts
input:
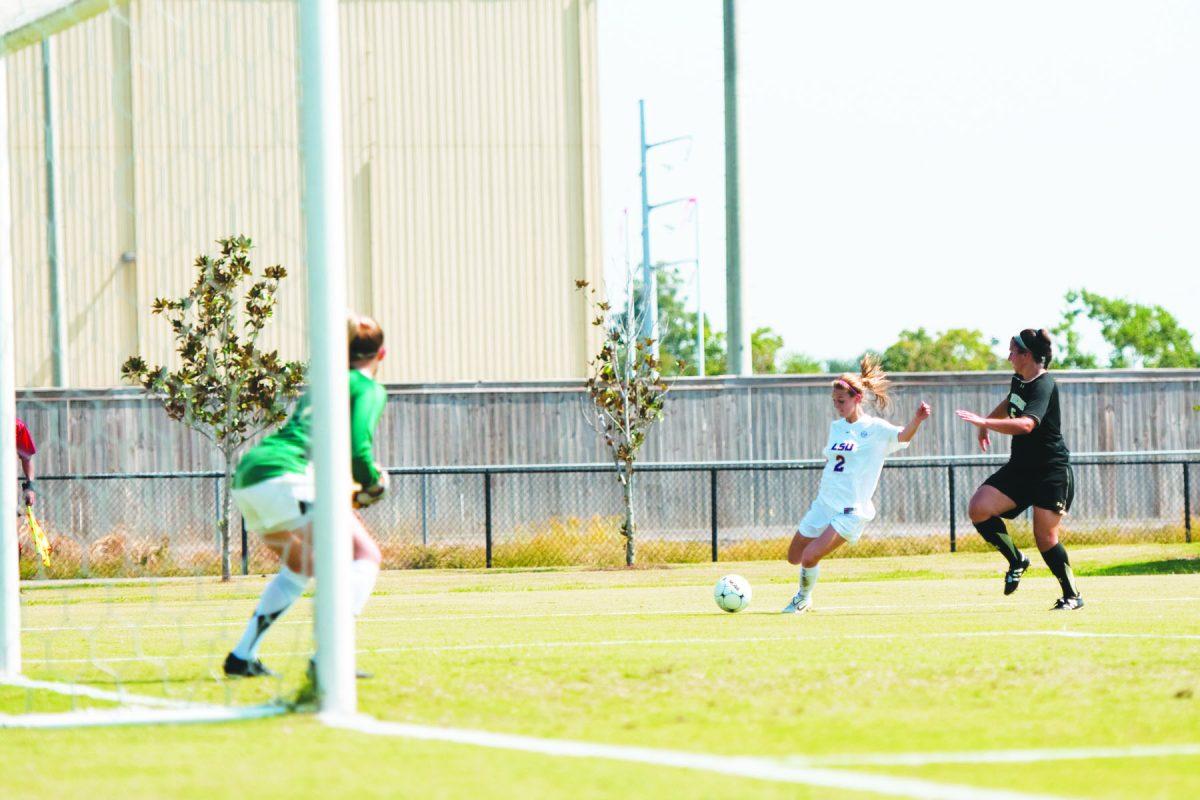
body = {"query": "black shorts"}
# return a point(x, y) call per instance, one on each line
point(1051, 488)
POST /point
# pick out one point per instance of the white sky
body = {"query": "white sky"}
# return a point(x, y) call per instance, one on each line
point(919, 163)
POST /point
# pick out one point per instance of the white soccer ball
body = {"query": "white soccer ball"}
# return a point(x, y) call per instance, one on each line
point(732, 593)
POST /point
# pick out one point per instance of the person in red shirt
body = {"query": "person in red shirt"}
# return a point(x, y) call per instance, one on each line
point(25, 451)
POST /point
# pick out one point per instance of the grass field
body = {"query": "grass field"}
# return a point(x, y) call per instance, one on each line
point(914, 677)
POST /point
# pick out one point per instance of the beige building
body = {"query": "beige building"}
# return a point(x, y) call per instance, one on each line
point(471, 166)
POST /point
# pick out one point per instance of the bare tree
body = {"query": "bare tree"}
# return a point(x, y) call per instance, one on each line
point(225, 387)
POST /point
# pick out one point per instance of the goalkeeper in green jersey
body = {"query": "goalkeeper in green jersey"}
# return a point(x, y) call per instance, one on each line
point(273, 489)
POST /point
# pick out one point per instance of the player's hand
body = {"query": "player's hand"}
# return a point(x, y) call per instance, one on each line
point(985, 439)
point(923, 412)
point(372, 494)
point(29, 496)
point(971, 417)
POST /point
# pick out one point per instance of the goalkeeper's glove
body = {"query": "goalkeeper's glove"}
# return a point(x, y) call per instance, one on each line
point(371, 494)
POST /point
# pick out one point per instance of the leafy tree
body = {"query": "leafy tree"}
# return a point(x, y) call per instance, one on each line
point(677, 328)
point(627, 391)
point(839, 365)
point(765, 345)
point(799, 364)
point(957, 349)
point(677, 333)
point(226, 388)
point(1069, 354)
point(1140, 335)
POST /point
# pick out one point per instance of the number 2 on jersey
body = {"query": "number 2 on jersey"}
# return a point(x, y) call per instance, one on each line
point(840, 466)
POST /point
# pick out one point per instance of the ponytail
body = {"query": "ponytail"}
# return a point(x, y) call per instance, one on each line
point(1038, 343)
point(870, 379)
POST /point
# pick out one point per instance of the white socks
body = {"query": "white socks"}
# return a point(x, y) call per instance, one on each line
point(283, 590)
point(808, 579)
point(363, 574)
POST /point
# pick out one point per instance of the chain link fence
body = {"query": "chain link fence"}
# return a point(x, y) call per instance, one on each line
point(156, 524)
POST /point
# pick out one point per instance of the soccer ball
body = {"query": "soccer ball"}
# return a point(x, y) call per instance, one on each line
point(732, 593)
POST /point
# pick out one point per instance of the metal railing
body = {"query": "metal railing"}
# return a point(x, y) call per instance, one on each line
point(546, 515)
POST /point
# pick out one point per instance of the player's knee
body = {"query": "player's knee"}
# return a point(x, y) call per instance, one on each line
point(367, 550)
point(1045, 539)
point(793, 557)
point(809, 560)
point(978, 511)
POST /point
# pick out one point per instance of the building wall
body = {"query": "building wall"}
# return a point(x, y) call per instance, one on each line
point(471, 169)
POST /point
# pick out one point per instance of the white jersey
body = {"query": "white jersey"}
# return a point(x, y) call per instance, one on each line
point(855, 454)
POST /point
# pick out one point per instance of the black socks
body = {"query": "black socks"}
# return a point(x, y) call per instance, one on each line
point(995, 533)
point(1056, 559)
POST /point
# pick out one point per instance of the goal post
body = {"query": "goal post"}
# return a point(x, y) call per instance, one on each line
point(318, 122)
point(10, 608)
point(325, 241)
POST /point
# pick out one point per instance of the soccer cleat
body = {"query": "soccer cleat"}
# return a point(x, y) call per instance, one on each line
point(1012, 578)
point(1067, 603)
point(241, 668)
point(798, 605)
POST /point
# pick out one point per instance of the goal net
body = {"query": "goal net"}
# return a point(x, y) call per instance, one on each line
point(134, 136)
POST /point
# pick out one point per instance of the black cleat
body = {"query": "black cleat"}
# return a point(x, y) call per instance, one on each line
point(1012, 578)
point(241, 668)
point(1067, 603)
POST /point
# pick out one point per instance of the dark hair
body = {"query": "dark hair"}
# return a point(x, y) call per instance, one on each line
point(365, 337)
point(1036, 342)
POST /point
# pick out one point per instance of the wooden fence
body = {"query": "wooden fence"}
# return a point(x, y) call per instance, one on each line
point(710, 419)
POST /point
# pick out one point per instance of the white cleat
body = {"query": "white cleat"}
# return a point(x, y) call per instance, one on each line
point(798, 605)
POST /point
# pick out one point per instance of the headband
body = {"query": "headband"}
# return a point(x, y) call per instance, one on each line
point(845, 385)
point(1019, 341)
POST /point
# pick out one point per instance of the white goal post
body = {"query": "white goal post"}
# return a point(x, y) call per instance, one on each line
point(318, 76)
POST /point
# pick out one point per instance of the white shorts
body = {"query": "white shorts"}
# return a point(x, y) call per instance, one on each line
point(821, 515)
point(275, 504)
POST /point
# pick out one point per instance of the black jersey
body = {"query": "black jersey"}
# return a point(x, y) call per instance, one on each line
point(1043, 446)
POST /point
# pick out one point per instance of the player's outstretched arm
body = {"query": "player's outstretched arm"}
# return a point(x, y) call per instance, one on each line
point(910, 430)
point(985, 438)
point(1016, 426)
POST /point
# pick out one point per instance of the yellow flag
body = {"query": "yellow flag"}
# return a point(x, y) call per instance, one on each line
point(39, 537)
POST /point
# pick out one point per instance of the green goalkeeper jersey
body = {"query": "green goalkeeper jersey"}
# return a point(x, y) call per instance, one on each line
point(289, 449)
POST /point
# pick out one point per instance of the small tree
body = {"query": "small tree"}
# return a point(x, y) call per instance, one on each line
point(626, 390)
point(225, 388)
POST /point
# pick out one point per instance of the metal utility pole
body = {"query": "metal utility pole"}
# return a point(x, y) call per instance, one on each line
point(649, 281)
point(58, 321)
point(699, 302)
point(737, 336)
point(649, 328)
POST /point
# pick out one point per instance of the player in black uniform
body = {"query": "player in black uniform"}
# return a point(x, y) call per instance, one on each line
point(1038, 472)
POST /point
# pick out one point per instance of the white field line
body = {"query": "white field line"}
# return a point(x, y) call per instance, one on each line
point(95, 718)
point(77, 690)
point(449, 648)
point(435, 617)
point(998, 756)
point(741, 766)
point(137, 709)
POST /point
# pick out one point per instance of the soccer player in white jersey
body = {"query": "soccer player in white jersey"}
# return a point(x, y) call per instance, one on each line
point(858, 444)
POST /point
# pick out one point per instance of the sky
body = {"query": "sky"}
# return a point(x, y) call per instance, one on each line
point(928, 163)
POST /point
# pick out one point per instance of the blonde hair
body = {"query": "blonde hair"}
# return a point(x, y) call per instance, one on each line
point(870, 379)
point(364, 337)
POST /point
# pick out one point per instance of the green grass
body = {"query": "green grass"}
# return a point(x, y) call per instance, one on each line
point(911, 654)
